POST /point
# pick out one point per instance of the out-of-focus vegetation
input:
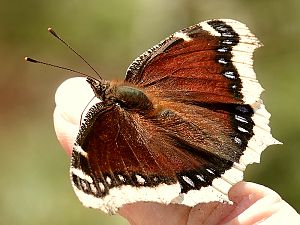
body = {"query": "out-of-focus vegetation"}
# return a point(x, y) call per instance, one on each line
point(34, 182)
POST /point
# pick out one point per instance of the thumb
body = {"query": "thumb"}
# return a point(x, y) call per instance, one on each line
point(72, 98)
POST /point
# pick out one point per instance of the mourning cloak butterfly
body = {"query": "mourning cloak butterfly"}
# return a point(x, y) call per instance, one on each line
point(181, 128)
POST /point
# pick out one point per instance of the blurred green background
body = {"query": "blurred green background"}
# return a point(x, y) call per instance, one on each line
point(34, 181)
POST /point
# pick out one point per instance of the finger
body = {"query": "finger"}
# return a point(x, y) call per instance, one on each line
point(284, 215)
point(245, 194)
point(251, 191)
point(254, 203)
point(71, 98)
point(65, 131)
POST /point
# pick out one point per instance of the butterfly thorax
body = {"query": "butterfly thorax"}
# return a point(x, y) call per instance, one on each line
point(127, 97)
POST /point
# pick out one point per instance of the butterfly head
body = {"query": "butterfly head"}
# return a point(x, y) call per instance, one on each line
point(99, 87)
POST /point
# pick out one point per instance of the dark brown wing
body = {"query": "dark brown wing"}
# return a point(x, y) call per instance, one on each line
point(123, 149)
point(208, 62)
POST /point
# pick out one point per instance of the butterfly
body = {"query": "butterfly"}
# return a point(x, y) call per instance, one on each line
point(181, 128)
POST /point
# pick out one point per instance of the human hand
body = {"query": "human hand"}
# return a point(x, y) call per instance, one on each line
point(252, 203)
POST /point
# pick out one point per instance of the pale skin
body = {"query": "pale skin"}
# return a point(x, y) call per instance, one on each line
point(252, 203)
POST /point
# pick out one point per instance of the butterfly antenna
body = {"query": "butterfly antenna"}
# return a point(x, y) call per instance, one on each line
point(28, 59)
point(66, 44)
